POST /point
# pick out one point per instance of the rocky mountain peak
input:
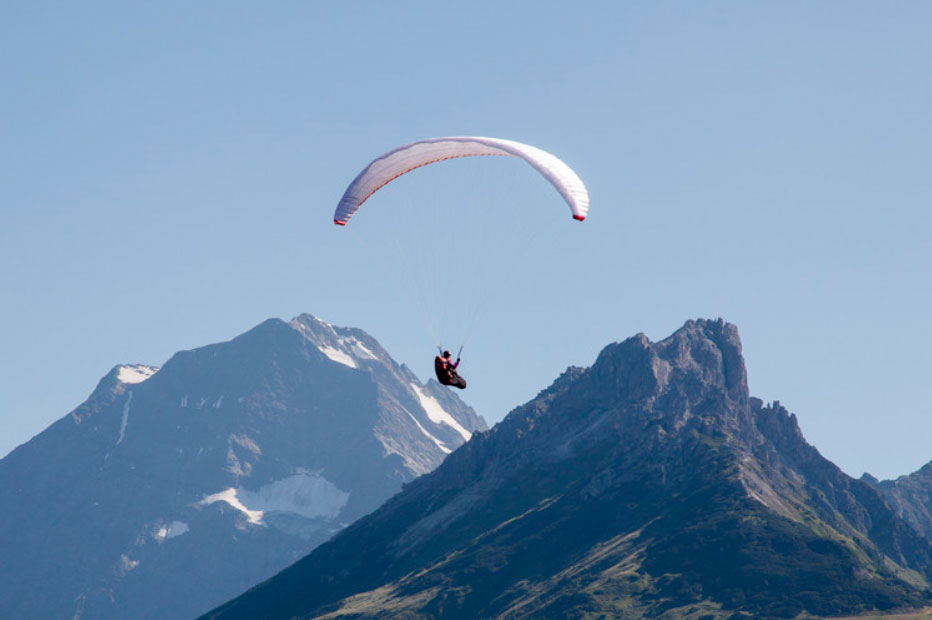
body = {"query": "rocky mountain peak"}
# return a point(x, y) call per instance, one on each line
point(701, 356)
point(694, 378)
point(351, 347)
point(111, 386)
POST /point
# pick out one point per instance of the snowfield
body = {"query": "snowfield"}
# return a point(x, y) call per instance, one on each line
point(338, 356)
point(306, 494)
point(135, 373)
point(437, 414)
point(172, 530)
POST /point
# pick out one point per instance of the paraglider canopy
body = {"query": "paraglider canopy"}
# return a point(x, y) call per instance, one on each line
point(393, 164)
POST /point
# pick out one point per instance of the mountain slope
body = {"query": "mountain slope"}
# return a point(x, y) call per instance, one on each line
point(170, 490)
point(649, 485)
point(910, 496)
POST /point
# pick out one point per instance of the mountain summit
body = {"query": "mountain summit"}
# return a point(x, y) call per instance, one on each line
point(648, 485)
point(172, 489)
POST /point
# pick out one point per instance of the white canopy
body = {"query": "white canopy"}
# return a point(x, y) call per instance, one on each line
point(397, 162)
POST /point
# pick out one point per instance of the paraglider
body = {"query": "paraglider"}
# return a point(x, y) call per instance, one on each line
point(393, 164)
point(446, 371)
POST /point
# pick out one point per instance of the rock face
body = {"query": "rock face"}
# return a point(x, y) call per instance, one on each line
point(648, 485)
point(171, 490)
point(911, 497)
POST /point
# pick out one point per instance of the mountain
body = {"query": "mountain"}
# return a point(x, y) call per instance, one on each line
point(910, 496)
point(172, 489)
point(649, 485)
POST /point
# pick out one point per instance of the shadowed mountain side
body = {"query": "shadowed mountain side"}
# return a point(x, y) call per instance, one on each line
point(648, 485)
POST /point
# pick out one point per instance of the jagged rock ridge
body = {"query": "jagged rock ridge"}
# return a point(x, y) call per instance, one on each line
point(172, 489)
point(648, 485)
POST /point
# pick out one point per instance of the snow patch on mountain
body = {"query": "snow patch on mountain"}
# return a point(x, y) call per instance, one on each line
point(341, 357)
point(135, 373)
point(230, 497)
point(172, 530)
point(125, 419)
point(306, 494)
point(437, 414)
point(360, 349)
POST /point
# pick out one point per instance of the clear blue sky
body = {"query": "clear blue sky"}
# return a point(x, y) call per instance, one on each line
point(168, 173)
